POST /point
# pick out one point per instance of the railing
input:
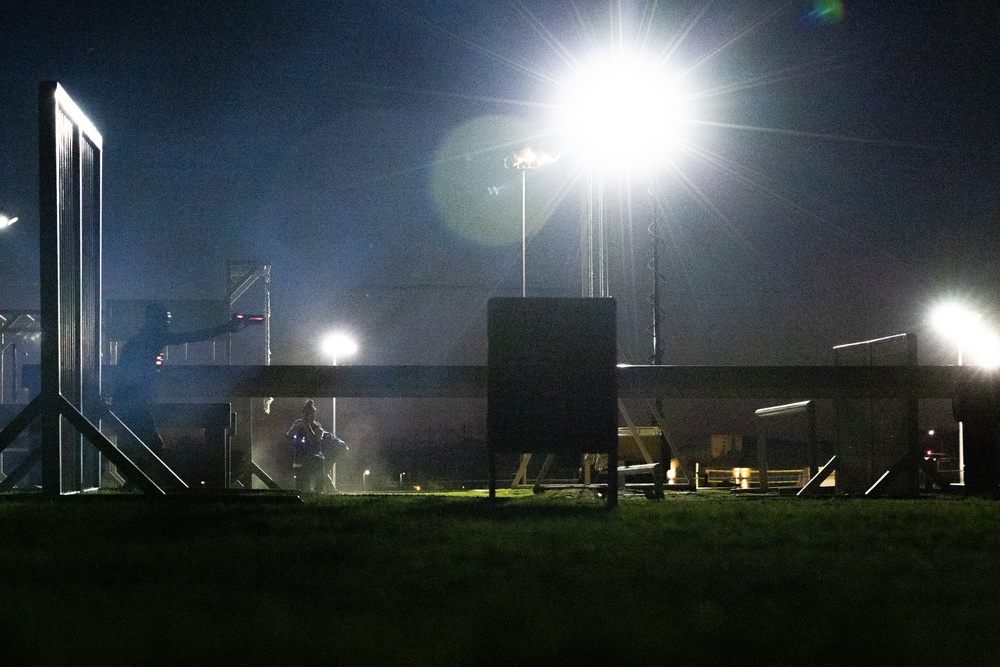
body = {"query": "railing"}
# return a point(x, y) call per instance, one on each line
point(749, 478)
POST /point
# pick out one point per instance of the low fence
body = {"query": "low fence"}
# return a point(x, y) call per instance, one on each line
point(749, 478)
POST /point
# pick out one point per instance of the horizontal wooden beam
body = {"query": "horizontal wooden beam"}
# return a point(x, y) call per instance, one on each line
point(308, 381)
point(797, 382)
point(668, 382)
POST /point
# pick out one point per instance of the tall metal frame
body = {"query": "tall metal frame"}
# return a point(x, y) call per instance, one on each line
point(240, 278)
point(69, 407)
point(70, 188)
point(878, 438)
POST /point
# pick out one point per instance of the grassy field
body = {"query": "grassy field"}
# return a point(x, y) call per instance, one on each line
point(454, 580)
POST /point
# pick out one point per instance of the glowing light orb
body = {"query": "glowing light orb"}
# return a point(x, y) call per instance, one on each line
point(978, 345)
point(337, 344)
point(624, 111)
point(954, 320)
point(986, 352)
point(6, 222)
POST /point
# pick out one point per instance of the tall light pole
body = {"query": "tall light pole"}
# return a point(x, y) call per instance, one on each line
point(525, 159)
point(336, 345)
point(963, 327)
point(961, 435)
point(623, 114)
point(657, 314)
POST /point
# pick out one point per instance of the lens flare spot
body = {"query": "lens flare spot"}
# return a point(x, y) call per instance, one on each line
point(827, 11)
point(478, 198)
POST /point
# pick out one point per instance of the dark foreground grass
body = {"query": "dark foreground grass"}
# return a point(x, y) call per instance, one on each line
point(706, 579)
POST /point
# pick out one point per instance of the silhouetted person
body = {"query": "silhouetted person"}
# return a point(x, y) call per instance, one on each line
point(138, 363)
point(309, 462)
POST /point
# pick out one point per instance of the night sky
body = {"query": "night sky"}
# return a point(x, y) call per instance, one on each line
point(839, 176)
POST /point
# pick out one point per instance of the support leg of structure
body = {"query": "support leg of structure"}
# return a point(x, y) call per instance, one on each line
point(546, 464)
point(125, 465)
point(264, 477)
point(521, 477)
point(33, 458)
point(817, 480)
point(22, 421)
point(492, 464)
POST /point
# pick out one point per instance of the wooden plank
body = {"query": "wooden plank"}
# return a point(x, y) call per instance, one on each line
point(667, 382)
point(309, 381)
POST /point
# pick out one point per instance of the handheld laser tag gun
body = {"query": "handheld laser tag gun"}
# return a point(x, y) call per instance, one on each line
point(248, 319)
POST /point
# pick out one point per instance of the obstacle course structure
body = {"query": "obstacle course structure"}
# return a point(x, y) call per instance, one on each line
point(69, 410)
point(551, 379)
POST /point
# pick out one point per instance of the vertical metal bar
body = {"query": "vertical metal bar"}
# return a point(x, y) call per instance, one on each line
point(69, 276)
point(811, 426)
point(48, 205)
point(602, 278)
point(587, 239)
point(524, 233)
point(76, 304)
point(227, 451)
point(762, 455)
point(657, 335)
point(613, 473)
point(267, 315)
point(912, 426)
point(491, 462)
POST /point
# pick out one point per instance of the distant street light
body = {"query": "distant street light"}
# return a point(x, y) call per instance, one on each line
point(965, 329)
point(336, 345)
point(525, 159)
point(957, 323)
point(364, 480)
point(6, 222)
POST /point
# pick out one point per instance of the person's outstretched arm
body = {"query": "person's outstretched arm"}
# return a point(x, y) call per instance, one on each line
point(177, 338)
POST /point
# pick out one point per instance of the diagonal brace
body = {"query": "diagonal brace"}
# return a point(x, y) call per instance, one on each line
point(23, 419)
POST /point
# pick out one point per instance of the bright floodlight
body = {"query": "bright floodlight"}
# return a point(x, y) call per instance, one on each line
point(986, 352)
point(965, 328)
point(954, 320)
point(529, 158)
point(623, 111)
point(337, 344)
point(6, 222)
